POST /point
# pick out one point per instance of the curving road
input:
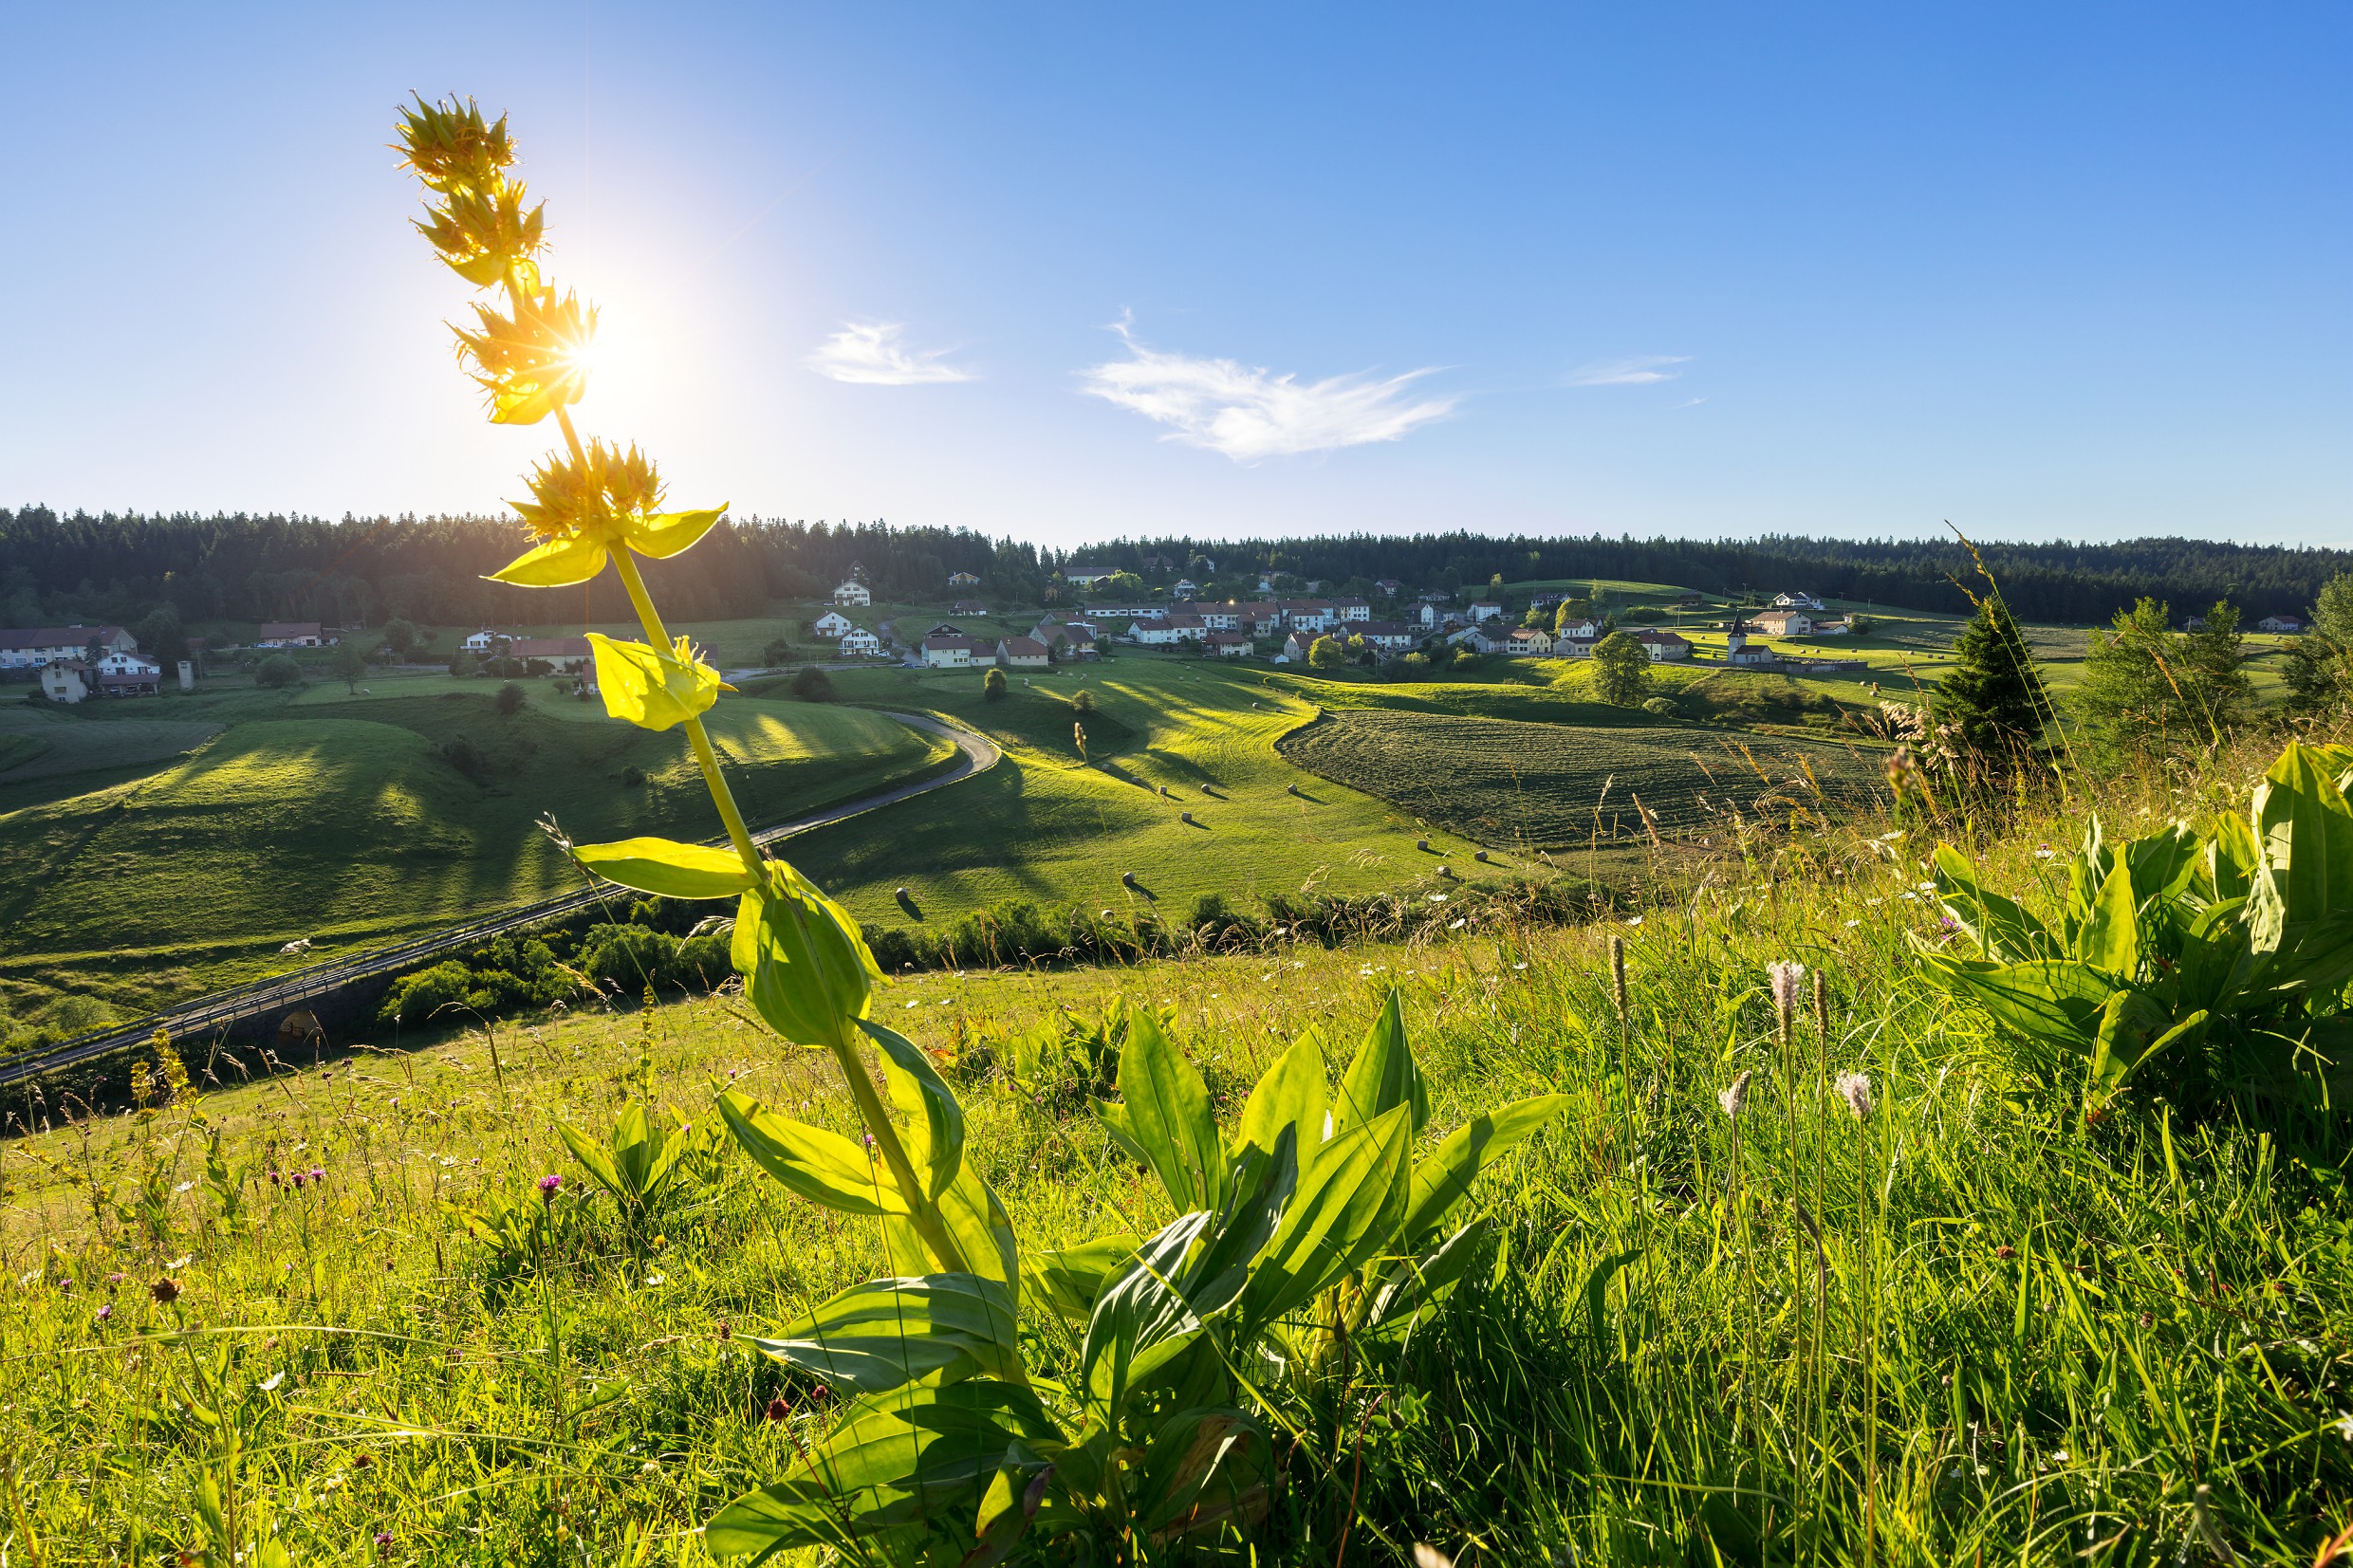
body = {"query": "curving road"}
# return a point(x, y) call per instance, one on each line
point(976, 753)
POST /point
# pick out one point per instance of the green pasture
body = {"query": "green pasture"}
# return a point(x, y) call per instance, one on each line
point(1964, 1328)
point(350, 822)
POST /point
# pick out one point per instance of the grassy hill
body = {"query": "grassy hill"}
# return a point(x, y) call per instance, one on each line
point(353, 821)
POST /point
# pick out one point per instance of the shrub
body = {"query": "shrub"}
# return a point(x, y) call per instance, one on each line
point(463, 664)
point(992, 685)
point(813, 685)
point(1663, 707)
point(466, 758)
point(278, 672)
point(777, 651)
point(1083, 701)
point(510, 700)
point(632, 777)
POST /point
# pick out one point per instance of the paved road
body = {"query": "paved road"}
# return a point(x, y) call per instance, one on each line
point(976, 753)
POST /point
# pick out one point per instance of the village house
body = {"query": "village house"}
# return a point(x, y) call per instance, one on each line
point(1388, 635)
point(1830, 626)
point(1485, 609)
point(1664, 646)
point(31, 646)
point(1799, 600)
point(563, 655)
point(2280, 624)
point(1087, 577)
point(853, 593)
point(1783, 623)
point(1296, 646)
point(123, 674)
point(1529, 641)
point(833, 623)
point(1080, 639)
point(969, 607)
point(1580, 631)
point(65, 680)
point(1120, 612)
point(1388, 587)
point(947, 652)
point(1352, 609)
point(476, 643)
point(1565, 646)
point(962, 580)
point(1168, 631)
point(1227, 645)
point(1421, 613)
point(860, 643)
point(1185, 589)
point(292, 634)
point(1485, 637)
point(1022, 654)
point(1313, 615)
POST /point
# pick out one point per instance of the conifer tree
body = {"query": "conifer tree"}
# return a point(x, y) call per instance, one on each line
point(1995, 694)
point(2211, 654)
point(2138, 698)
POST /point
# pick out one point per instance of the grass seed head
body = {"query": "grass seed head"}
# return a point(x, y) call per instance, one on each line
point(1737, 1095)
point(1855, 1088)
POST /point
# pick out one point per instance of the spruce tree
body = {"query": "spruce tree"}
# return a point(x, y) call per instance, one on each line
point(2213, 656)
point(1996, 693)
point(2134, 700)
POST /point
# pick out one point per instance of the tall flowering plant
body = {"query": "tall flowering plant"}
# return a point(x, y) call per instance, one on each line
point(1315, 1226)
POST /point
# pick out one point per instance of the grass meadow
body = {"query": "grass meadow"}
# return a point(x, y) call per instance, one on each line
point(1967, 1329)
point(354, 821)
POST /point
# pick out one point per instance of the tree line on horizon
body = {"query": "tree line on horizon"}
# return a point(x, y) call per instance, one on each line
point(364, 571)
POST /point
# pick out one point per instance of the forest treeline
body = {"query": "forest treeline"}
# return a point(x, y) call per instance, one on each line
point(363, 571)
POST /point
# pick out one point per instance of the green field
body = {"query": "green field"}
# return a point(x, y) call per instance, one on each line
point(348, 821)
point(1547, 787)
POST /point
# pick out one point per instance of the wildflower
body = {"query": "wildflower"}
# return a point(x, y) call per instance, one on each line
point(548, 1186)
point(2043, 851)
point(183, 1186)
point(105, 1312)
point(726, 1332)
point(779, 1409)
point(277, 1179)
point(317, 1174)
point(1855, 1088)
point(1852, 924)
point(2005, 1252)
point(165, 1291)
point(1738, 1096)
point(116, 1278)
point(384, 1541)
point(298, 1180)
point(1784, 978)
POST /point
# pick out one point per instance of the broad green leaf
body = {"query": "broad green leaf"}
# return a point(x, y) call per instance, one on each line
point(1143, 1320)
point(2110, 938)
point(557, 563)
point(2305, 828)
point(1122, 1128)
point(1346, 1210)
point(2315, 958)
point(1007, 1507)
point(667, 867)
point(1169, 1116)
point(1443, 1176)
point(1069, 1279)
point(1412, 1285)
point(2162, 862)
point(1290, 1094)
point(806, 966)
point(651, 688)
point(2056, 1001)
point(878, 1335)
point(1262, 1187)
point(2003, 930)
point(897, 1459)
point(825, 1167)
point(2126, 1026)
point(1383, 1073)
point(935, 1120)
point(978, 1225)
point(2234, 857)
point(668, 533)
point(1204, 1472)
point(596, 1160)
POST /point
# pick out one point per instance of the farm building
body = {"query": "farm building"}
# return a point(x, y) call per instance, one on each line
point(31, 646)
point(1228, 644)
point(853, 593)
point(1799, 599)
point(292, 634)
point(1662, 646)
point(476, 643)
point(65, 680)
point(968, 607)
point(564, 655)
point(947, 652)
point(1783, 623)
point(833, 623)
point(858, 642)
point(1022, 654)
point(1087, 577)
point(2279, 624)
point(1168, 631)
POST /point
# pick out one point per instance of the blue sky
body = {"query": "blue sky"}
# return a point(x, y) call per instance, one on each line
point(1071, 271)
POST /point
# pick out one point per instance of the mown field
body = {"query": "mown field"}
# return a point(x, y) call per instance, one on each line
point(1553, 787)
point(1967, 1329)
point(355, 820)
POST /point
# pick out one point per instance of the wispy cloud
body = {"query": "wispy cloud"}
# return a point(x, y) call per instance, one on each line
point(873, 354)
point(1249, 413)
point(1642, 370)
